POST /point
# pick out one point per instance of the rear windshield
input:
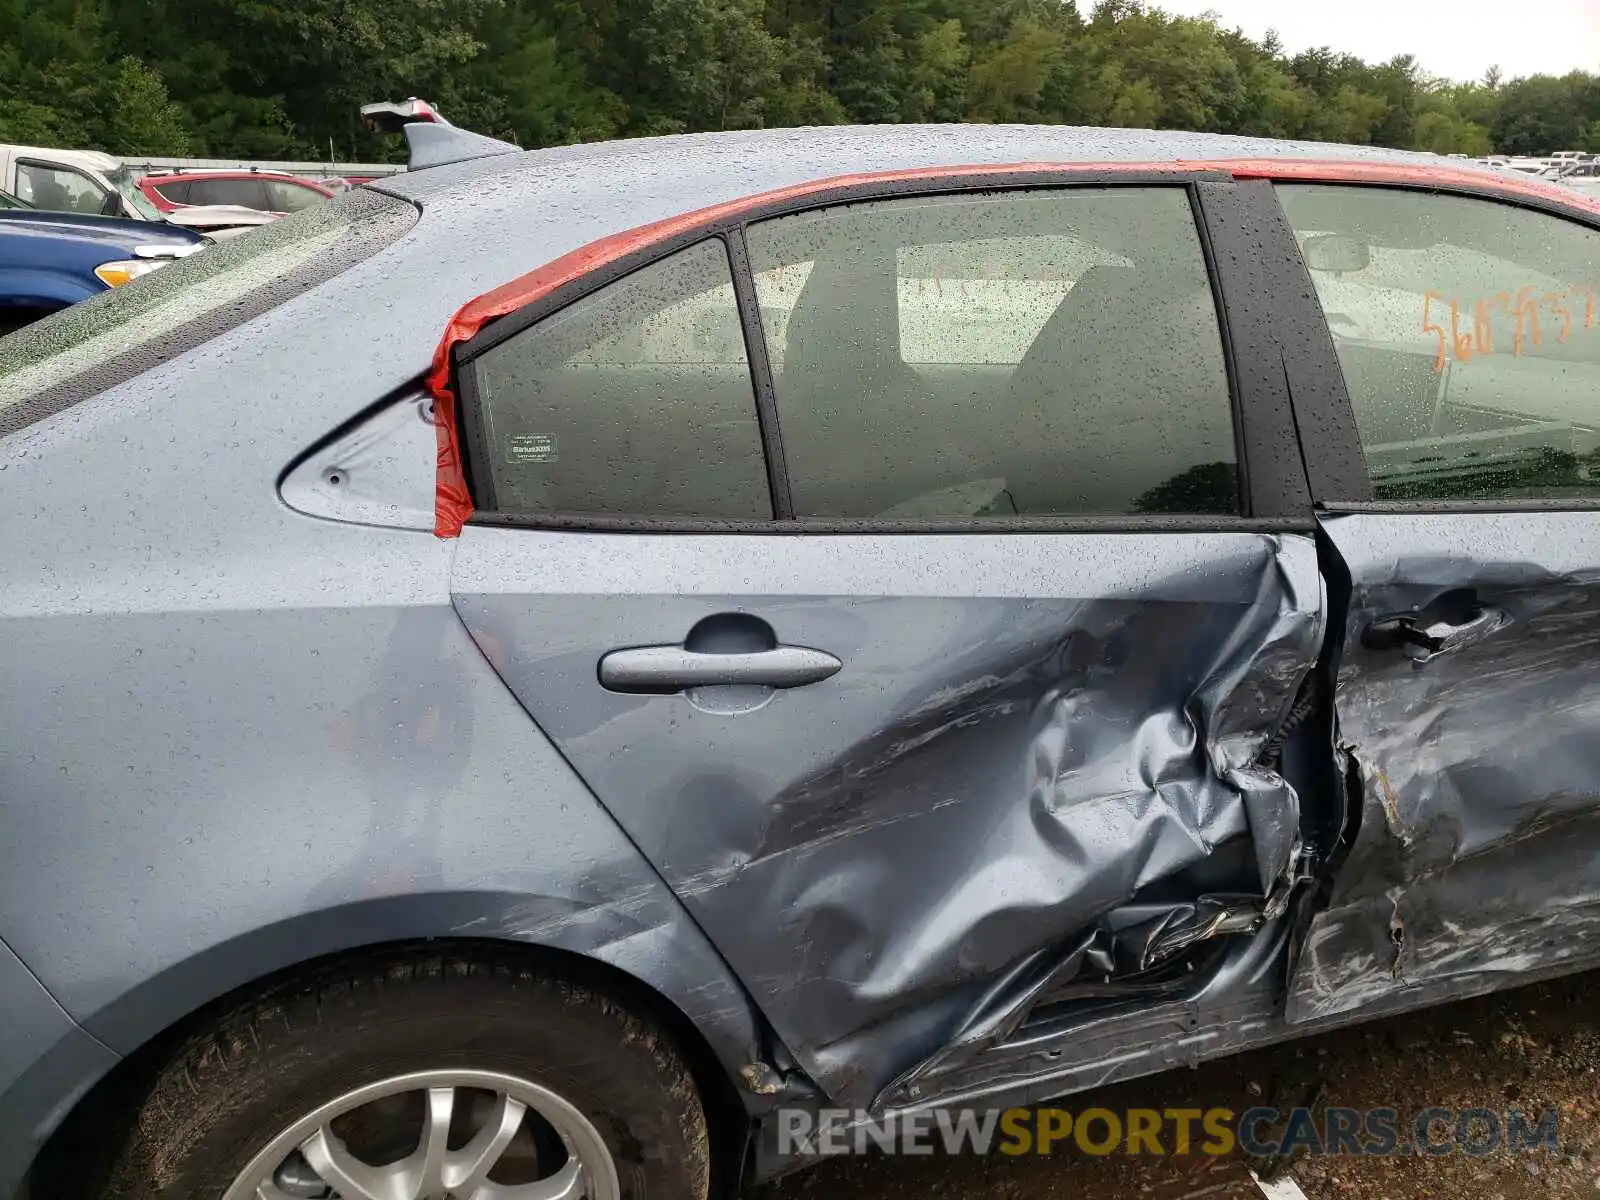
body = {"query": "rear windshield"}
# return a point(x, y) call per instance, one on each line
point(107, 339)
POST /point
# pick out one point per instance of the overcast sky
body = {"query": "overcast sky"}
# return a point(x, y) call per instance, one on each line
point(1458, 39)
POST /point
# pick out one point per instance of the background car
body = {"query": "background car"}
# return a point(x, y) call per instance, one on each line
point(94, 184)
point(242, 189)
point(525, 676)
point(81, 181)
point(221, 222)
point(51, 260)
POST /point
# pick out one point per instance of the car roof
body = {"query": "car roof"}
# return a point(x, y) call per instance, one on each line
point(568, 196)
point(866, 148)
point(538, 206)
point(93, 159)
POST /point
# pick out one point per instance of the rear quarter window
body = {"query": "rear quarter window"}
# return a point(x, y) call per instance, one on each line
point(83, 350)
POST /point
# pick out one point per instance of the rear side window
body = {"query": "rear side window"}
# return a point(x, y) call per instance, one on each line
point(636, 400)
point(177, 191)
point(73, 354)
point(249, 193)
point(286, 197)
point(1051, 352)
point(1468, 332)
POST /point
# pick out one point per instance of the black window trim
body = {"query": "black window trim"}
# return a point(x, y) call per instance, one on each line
point(1254, 306)
point(998, 526)
point(766, 391)
point(1336, 466)
point(1262, 449)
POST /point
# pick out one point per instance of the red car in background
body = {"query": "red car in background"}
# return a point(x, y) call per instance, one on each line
point(262, 190)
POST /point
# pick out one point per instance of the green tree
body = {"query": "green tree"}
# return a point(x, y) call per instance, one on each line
point(140, 117)
point(268, 79)
point(527, 87)
point(1269, 101)
point(1545, 113)
point(1008, 80)
point(938, 61)
point(800, 95)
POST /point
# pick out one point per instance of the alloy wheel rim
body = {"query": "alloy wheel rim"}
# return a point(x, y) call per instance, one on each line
point(469, 1120)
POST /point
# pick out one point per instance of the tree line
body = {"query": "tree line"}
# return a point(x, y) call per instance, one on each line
point(284, 78)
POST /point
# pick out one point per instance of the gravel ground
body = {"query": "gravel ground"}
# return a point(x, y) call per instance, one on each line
point(1534, 1049)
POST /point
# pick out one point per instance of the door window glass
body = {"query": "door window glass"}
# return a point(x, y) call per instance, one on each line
point(247, 193)
point(56, 190)
point(1046, 352)
point(286, 197)
point(1468, 332)
point(636, 400)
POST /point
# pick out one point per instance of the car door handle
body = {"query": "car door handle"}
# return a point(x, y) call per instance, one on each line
point(1422, 637)
point(666, 669)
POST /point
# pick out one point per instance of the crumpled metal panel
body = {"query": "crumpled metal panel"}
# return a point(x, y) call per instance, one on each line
point(1029, 732)
point(1479, 769)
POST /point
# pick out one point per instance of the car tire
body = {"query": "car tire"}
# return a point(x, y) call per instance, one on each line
point(220, 1102)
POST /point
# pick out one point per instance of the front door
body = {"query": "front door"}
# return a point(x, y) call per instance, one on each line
point(1468, 333)
point(937, 683)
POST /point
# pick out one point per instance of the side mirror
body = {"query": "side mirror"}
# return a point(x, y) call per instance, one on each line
point(1335, 252)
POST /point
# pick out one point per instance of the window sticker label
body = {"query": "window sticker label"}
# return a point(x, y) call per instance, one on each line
point(531, 448)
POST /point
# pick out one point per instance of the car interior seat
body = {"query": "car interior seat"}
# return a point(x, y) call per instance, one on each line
point(1122, 390)
point(51, 196)
point(861, 428)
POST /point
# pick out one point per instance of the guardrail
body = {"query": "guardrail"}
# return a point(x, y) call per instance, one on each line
point(151, 165)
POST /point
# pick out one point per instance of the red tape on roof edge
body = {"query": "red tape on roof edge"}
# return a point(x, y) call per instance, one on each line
point(453, 501)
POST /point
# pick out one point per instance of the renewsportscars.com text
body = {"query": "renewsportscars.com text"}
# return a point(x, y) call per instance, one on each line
point(1263, 1132)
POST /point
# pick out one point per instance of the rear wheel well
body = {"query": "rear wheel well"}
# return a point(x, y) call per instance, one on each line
point(60, 1167)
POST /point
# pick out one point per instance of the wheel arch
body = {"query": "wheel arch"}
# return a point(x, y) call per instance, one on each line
point(46, 288)
point(717, 1039)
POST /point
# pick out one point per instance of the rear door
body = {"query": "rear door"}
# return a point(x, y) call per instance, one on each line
point(1461, 482)
point(919, 580)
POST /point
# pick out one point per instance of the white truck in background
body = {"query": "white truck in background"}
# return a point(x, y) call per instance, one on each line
point(97, 184)
point(80, 181)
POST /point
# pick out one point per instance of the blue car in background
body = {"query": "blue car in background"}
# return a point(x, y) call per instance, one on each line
point(49, 260)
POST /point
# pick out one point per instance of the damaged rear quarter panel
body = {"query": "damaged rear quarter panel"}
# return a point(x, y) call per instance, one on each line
point(1475, 864)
